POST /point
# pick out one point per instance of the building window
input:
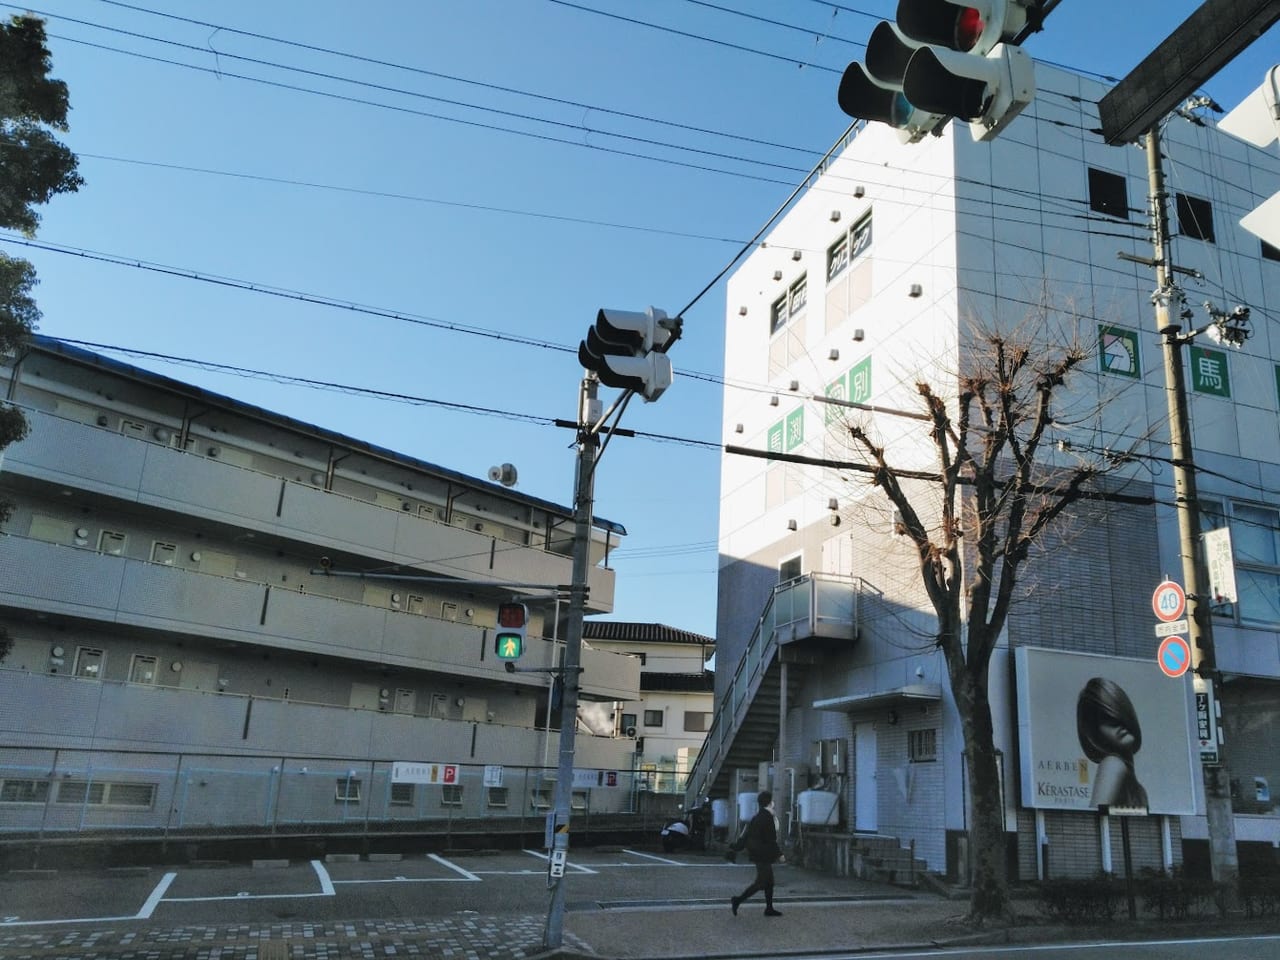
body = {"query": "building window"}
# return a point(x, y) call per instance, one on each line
point(496, 797)
point(402, 794)
point(1195, 217)
point(922, 745)
point(89, 662)
point(697, 721)
point(1255, 542)
point(112, 542)
point(789, 569)
point(848, 248)
point(788, 305)
point(653, 718)
point(1108, 194)
point(142, 669)
point(347, 790)
point(24, 791)
point(629, 724)
point(102, 793)
point(451, 795)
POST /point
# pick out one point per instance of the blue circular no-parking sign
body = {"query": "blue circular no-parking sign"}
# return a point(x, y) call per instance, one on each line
point(1174, 656)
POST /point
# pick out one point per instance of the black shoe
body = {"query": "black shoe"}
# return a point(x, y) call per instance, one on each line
point(770, 912)
point(735, 903)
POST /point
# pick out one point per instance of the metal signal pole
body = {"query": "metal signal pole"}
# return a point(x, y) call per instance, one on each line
point(1168, 300)
point(558, 828)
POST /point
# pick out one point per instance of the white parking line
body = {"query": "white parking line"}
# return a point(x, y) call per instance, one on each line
point(467, 874)
point(578, 868)
point(637, 853)
point(326, 890)
point(144, 912)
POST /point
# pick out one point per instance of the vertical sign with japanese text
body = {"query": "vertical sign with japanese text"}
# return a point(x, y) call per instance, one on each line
point(1209, 372)
point(860, 381)
point(795, 428)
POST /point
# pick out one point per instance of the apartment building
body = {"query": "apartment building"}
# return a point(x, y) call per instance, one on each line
point(668, 723)
point(873, 281)
point(223, 618)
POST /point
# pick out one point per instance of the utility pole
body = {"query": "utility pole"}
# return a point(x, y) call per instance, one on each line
point(1168, 301)
point(558, 827)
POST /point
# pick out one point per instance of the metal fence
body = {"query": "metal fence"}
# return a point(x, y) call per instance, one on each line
point(46, 792)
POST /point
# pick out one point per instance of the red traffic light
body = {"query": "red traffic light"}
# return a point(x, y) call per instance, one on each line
point(969, 27)
point(512, 615)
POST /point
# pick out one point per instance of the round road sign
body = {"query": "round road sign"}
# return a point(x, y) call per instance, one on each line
point(1174, 656)
point(1169, 602)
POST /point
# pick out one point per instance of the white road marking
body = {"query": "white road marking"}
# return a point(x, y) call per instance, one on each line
point(144, 912)
point(637, 853)
point(467, 874)
point(578, 868)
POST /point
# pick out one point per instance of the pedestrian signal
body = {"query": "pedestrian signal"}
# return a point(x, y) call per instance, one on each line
point(508, 642)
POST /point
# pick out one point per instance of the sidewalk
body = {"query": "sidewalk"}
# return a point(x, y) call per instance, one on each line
point(689, 929)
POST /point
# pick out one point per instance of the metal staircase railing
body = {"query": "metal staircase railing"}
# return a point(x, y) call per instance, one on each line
point(814, 605)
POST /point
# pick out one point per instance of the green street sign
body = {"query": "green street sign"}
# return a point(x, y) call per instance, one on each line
point(1209, 372)
point(835, 391)
point(774, 442)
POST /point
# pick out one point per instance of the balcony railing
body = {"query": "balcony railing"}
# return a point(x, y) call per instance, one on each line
point(815, 606)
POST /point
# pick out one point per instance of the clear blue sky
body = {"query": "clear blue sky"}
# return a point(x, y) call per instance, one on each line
point(428, 200)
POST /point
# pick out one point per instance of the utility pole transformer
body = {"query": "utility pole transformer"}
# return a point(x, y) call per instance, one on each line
point(1167, 298)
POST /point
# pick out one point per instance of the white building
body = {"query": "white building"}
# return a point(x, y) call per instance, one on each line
point(669, 722)
point(868, 285)
point(226, 619)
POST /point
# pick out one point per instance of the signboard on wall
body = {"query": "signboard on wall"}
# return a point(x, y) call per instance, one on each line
point(413, 772)
point(1096, 730)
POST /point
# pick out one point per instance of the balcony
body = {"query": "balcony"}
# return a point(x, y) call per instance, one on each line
point(84, 457)
point(801, 619)
point(76, 582)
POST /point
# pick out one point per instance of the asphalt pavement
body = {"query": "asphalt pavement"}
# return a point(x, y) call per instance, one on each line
point(820, 915)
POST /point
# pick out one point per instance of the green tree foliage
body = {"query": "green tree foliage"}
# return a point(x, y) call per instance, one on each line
point(34, 166)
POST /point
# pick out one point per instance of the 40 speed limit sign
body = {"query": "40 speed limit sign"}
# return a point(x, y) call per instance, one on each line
point(1169, 602)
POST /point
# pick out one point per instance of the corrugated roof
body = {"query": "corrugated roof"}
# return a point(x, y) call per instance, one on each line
point(631, 632)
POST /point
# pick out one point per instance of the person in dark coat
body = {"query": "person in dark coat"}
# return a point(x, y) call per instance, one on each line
point(764, 852)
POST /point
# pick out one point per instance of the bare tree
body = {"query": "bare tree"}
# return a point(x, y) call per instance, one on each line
point(999, 493)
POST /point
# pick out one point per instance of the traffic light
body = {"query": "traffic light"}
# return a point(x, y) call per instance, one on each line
point(944, 58)
point(508, 641)
point(1257, 120)
point(625, 349)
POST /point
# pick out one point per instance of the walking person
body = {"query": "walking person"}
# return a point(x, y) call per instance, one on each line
point(764, 852)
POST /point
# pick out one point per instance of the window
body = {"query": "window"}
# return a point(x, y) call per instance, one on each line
point(162, 552)
point(451, 795)
point(1108, 194)
point(496, 797)
point(1195, 217)
point(653, 718)
point(789, 569)
point(102, 793)
point(629, 724)
point(697, 721)
point(24, 791)
point(142, 669)
point(1255, 541)
point(788, 305)
point(922, 745)
point(89, 662)
point(849, 247)
point(347, 790)
point(109, 541)
point(402, 794)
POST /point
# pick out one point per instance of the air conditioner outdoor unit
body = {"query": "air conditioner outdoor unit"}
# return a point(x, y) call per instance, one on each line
point(630, 731)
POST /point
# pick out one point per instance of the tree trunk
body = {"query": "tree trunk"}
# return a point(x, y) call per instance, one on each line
point(987, 840)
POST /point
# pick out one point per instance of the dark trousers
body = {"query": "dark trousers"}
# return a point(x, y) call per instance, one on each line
point(763, 881)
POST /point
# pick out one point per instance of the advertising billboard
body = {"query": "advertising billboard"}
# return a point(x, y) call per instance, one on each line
point(1103, 731)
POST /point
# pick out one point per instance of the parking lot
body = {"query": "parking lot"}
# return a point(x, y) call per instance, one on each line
point(510, 881)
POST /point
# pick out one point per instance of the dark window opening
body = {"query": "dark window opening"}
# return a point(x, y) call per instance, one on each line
point(1108, 194)
point(1195, 218)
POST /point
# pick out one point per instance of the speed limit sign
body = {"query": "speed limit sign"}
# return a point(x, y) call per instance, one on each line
point(1169, 602)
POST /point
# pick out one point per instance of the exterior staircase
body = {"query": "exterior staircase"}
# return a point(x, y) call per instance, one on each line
point(802, 618)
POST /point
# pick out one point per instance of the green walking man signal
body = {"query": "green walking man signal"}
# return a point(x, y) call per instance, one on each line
point(508, 642)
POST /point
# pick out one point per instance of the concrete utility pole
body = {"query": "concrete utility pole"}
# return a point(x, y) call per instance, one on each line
point(1168, 302)
point(558, 828)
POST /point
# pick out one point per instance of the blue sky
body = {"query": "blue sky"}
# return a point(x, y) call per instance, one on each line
point(620, 165)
